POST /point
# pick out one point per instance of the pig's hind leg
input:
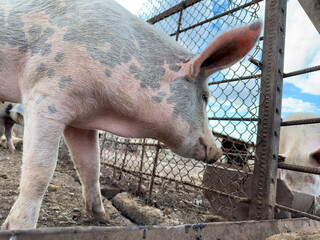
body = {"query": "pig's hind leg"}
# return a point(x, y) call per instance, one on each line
point(40, 150)
point(9, 124)
point(84, 147)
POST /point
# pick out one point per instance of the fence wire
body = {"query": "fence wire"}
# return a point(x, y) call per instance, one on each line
point(149, 168)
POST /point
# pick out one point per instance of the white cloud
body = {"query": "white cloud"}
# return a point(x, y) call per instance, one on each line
point(291, 105)
point(308, 83)
point(302, 39)
point(302, 49)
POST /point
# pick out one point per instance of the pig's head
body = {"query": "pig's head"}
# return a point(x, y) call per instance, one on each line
point(189, 93)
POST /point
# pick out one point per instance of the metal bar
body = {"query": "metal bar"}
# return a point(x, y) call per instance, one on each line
point(141, 165)
point(179, 25)
point(302, 214)
point(115, 157)
point(299, 168)
point(264, 180)
point(136, 174)
point(102, 144)
point(218, 16)
point(173, 10)
point(155, 164)
point(135, 143)
point(302, 71)
point(255, 62)
point(300, 122)
point(234, 119)
point(235, 79)
point(124, 158)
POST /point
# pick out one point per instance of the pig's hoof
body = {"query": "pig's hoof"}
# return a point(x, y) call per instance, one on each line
point(11, 148)
point(101, 217)
point(5, 226)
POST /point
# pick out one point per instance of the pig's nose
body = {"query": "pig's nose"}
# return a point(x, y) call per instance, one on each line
point(218, 155)
point(212, 153)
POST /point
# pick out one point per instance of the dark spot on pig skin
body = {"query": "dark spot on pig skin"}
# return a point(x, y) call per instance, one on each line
point(186, 60)
point(158, 98)
point(108, 73)
point(46, 50)
point(38, 43)
point(8, 108)
point(59, 57)
point(35, 31)
point(175, 67)
point(51, 73)
point(11, 31)
point(64, 81)
point(40, 99)
point(41, 68)
point(126, 57)
point(40, 73)
point(52, 109)
point(148, 78)
point(186, 98)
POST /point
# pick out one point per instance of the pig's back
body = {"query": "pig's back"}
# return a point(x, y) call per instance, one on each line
point(299, 116)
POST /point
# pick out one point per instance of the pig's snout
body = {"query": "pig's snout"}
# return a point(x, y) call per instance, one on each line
point(210, 152)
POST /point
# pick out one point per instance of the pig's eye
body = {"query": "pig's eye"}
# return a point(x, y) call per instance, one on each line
point(205, 98)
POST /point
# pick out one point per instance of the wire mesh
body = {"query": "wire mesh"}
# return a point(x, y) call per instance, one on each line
point(149, 168)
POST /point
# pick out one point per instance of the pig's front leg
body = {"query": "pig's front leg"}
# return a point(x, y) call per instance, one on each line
point(84, 147)
point(40, 150)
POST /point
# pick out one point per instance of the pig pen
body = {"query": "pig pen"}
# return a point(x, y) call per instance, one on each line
point(144, 183)
point(63, 205)
point(244, 112)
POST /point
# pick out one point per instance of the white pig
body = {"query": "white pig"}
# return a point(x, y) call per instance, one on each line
point(81, 66)
point(300, 145)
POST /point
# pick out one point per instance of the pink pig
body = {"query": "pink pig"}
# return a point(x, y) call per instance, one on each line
point(300, 145)
point(81, 66)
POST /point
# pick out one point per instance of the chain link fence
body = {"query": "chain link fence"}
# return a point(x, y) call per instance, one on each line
point(244, 115)
point(150, 169)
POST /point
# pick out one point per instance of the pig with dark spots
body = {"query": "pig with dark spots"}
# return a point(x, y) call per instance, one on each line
point(300, 145)
point(82, 66)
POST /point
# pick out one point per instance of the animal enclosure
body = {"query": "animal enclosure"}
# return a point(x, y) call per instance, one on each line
point(244, 112)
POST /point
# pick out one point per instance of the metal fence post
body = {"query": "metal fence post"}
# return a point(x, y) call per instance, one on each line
point(115, 156)
point(102, 144)
point(124, 158)
point(179, 25)
point(155, 164)
point(141, 166)
point(266, 163)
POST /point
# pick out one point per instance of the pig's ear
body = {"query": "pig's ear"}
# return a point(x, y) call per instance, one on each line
point(315, 155)
point(226, 50)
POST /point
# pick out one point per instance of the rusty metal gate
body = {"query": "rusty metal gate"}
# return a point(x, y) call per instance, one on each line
point(244, 113)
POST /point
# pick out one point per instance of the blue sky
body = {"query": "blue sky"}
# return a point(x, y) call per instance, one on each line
point(300, 93)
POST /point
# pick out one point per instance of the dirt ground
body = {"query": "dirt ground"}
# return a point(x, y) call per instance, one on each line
point(63, 204)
